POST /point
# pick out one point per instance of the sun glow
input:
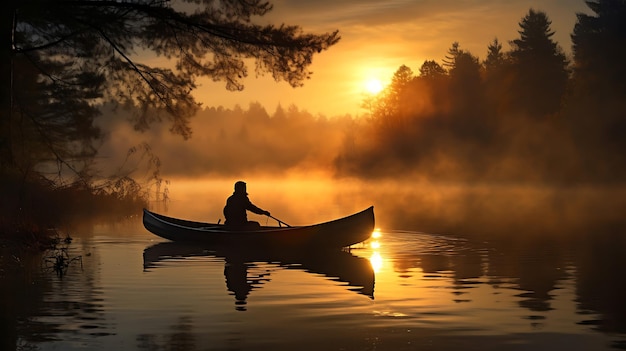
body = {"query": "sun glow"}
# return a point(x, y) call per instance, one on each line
point(376, 260)
point(376, 233)
point(373, 86)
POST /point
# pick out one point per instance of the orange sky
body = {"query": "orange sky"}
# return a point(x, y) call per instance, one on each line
point(380, 36)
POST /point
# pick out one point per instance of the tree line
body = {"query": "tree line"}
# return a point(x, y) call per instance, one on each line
point(231, 142)
point(60, 61)
point(528, 113)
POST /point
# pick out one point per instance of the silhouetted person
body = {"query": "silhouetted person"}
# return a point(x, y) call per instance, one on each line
point(237, 205)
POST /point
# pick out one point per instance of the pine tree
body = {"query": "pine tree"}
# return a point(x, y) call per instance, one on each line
point(540, 66)
point(495, 57)
point(599, 45)
point(81, 53)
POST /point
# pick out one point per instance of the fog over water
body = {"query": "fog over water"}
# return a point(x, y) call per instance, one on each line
point(293, 163)
point(507, 211)
point(496, 169)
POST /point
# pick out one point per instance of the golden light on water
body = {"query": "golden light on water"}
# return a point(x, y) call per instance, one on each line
point(376, 233)
point(376, 261)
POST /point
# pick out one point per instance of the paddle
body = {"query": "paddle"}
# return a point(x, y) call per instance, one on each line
point(278, 220)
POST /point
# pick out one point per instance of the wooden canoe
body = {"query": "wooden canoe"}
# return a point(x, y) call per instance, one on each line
point(338, 233)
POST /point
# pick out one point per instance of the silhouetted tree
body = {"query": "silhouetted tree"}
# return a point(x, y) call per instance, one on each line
point(390, 107)
point(256, 113)
point(53, 127)
point(466, 88)
point(88, 51)
point(599, 45)
point(432, 86)
point(450, 59)
point(540, 66)
point(401, 78)
point(597, 107)
point(466, 70)
point(467, 95)
point(498, 71)
point(61, 60)
point(431, 69)
point(495, 57)
point(279, 116)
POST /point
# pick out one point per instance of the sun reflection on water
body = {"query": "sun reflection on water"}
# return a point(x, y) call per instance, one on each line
point(376, 260)
point(376, 234)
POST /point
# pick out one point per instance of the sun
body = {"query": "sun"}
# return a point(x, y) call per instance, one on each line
point(373, 86)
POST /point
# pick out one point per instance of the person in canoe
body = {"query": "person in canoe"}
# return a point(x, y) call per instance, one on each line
point(237, 205)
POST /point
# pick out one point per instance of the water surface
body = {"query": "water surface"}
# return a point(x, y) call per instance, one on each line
point(404, 290)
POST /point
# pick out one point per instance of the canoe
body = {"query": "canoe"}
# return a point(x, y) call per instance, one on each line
point(338, 233)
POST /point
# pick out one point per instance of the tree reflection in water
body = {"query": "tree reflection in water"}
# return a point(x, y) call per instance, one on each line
point(181, 338)
point(38, 305)
point(536, 267)
point(447, 290)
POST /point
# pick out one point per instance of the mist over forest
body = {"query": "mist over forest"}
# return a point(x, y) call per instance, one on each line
point(236, 141)
point(524, 139)
point(526, 114)
point(520, 133)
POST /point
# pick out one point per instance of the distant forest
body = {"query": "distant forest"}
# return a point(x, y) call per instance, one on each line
point(229, 142)
point(529, 113)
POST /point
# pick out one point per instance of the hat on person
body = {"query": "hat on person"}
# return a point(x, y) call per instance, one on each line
point(240, 187)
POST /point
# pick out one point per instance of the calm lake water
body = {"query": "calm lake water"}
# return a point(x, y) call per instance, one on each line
point(405, 289)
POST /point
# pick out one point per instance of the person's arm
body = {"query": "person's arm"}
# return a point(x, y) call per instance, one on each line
point(253, 208)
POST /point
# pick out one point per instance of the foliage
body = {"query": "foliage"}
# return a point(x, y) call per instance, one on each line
point(209, 38)
point(598, 107)
point(599, 45)
point(541, 71)
point(465, 80)
point(68, 56)
point(495, 57)
point(517, 116)
point(61, 60)
point(52, 120)
point(390, 105)
point(431, 69)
